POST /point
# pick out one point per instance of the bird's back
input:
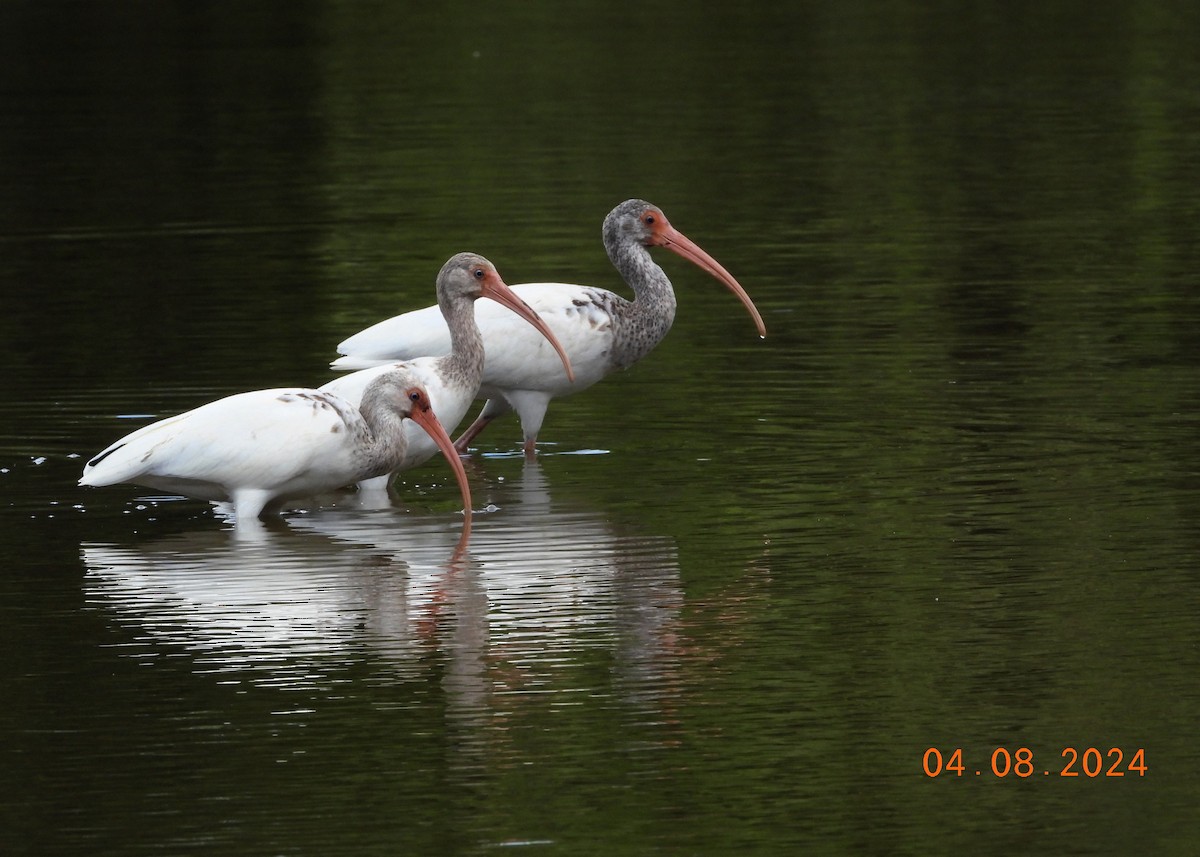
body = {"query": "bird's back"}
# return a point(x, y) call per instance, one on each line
point(262, 438)
point(420, 333)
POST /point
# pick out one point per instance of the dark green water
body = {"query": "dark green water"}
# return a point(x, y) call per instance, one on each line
point(950, 501)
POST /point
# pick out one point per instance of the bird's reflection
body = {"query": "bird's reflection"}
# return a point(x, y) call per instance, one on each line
point(279, 609)
point(539, 588)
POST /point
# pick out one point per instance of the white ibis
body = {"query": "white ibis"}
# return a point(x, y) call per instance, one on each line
point(452, 380)
point(264, 448)
point(600, 330)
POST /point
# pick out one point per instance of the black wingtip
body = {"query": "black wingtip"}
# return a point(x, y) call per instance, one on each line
point(104, 455)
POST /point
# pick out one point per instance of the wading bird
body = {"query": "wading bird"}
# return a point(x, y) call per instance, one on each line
point(262, 449)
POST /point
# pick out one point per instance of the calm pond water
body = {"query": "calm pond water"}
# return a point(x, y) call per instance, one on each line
point(949, 502)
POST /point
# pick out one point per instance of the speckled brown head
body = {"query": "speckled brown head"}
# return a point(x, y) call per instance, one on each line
point(647, 224)
point(410, 400)
point(475, 276)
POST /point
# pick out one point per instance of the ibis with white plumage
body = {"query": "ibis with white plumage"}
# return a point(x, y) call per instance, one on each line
point(261, 449)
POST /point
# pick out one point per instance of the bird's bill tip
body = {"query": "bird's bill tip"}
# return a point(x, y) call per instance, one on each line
point(672, 239)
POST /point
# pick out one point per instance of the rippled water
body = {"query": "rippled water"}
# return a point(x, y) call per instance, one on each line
point(949, 502)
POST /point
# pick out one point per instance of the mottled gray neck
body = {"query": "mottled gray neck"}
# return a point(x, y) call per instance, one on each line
point(381, 435)
point(640, 324)
point(463, 366)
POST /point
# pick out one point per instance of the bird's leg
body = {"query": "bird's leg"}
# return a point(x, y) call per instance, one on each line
point(492, 408)
point(464, 440)
point(530, 406)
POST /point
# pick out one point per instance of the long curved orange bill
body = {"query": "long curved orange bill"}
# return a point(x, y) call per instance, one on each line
point(670, 238)
point(422, 414)
point(496, 289)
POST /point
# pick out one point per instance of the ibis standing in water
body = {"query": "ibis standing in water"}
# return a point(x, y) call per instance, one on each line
point(599, 330)
point(453, 380)
point(261, 449)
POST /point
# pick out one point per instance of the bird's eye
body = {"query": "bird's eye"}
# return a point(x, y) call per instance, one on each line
point(414, 396)
point(479, 273)
point(648, 220)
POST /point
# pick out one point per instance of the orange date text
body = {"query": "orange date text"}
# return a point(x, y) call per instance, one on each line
point(1089, 762)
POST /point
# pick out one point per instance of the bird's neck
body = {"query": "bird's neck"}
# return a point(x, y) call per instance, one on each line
point(384, 443)
point(643, 322)
point(463, 366)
